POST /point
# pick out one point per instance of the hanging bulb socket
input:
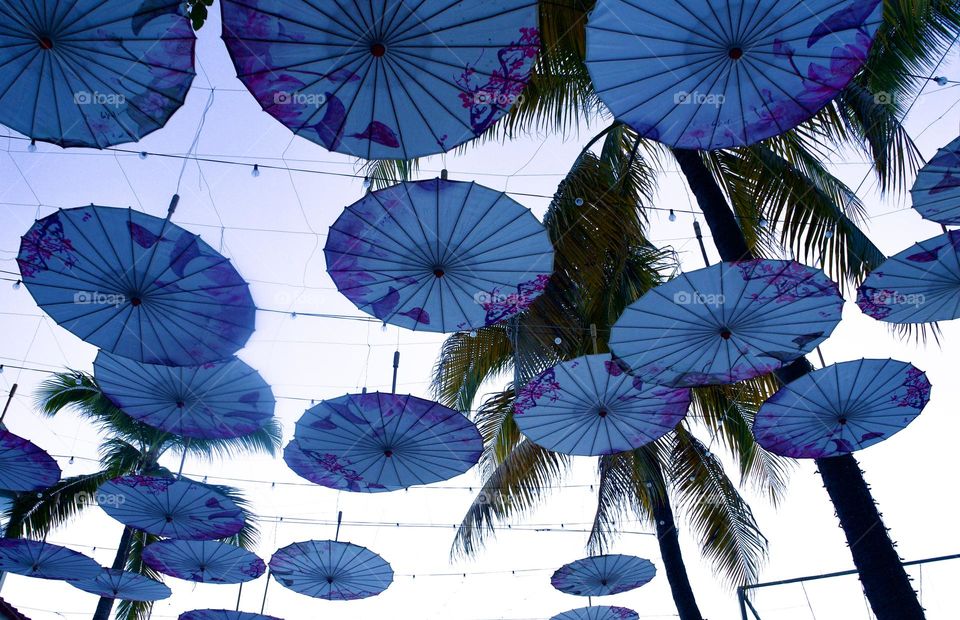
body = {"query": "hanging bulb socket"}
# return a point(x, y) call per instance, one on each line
point(16, 285)
point(672, 217)
point(256, 171)
point(33, 146)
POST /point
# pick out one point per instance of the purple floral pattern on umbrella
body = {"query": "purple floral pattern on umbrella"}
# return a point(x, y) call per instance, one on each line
point(24, 466)
point(936, 193)
point(335, 571)
point(842, 408)
point(589, 407)
point(94, 74)
point(43, 560)
point(919, 285)
point(726, 323)
point(204, 561)
point(439, 256)
point(603, 575)
point(136, 286)
point(376, 442)
point(389, 82)
point(756, 72)
point(171, 507)
point(599, 612)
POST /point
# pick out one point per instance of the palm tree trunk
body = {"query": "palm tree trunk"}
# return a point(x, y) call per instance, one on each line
point(673, 564)
point(884, 580)
point(105, 606)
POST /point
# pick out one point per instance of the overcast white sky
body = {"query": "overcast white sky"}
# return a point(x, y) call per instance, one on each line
point(911, 474)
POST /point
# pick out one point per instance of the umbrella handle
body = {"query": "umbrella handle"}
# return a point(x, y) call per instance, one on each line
point(173, 206)
point(13, 391)
point(703, 249)
point(396, 367)
point(239, 594)
point(339, 521)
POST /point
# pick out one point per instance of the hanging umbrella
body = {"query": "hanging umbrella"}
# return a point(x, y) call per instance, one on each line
point(936, 194)
point(382, 442)
point(124, 585)
point(33, 558)
point(841, 408)
point(439, 255)
point(219, 400)
point(727, 323)
point(170, 507)
point(203, 561)
point(919, 285)
point(598, 613)
point(590, 407)
point(330, 570)
point(710, 75)
point(90, 73)
point(24, 466)
point(602, 575)
point(384, 80)
point(221, 614)
point(136, 286)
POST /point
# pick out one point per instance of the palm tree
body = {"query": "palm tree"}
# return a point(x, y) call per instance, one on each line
point(783, 181)
point(603, 262)
point(129, 447)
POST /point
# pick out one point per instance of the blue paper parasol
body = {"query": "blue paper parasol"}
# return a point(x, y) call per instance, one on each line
point(330, 570)
point(203, 561)
point(124, 585)
point(603, 575)
point(24, 466)
point(936, 193)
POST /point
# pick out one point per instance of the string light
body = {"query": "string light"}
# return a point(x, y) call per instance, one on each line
point(941, 80)
point(70, 462)
point(16, 285)
point(672, 217)
point(763, 223)
point(33, 146)
point(828, 234)
point(473, 333)
point(367, 183)
point(578, 202)
point(557, 341)
point(143, 155)
point(256, 171)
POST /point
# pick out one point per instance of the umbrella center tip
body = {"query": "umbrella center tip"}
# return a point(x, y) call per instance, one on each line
point(169, 518)
point(735, 53)
point(603, 413)
point(603, 582)
point(439, 272)
point(135, 301)
point(181, 404)
point(842, 421)
point(726, 334)
point(329, 579)
point(46, 43)
point(378, 50)
point(388, 453)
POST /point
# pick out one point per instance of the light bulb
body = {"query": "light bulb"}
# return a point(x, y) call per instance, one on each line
point(473, 333)
point(940, 80)
point(70, 461)
point(557, 341)
point(16, 285)
point(763, 222)
point(77, 380)
point(1, 369)
point(673, 216)
point(367, 183)
point(828, 234)
point(33, 146)
point(256, 171)
point(143, 154)
point(293, 315)
point(578, 202)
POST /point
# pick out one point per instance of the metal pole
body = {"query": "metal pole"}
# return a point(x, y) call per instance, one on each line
point(266, 588)
point(396, 367)
point(239, 594)
point(183, 458)
point(13, 391)
point(703, 248)
point(593, 335)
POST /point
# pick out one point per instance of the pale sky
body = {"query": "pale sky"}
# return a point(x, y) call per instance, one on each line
point(309, 358)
